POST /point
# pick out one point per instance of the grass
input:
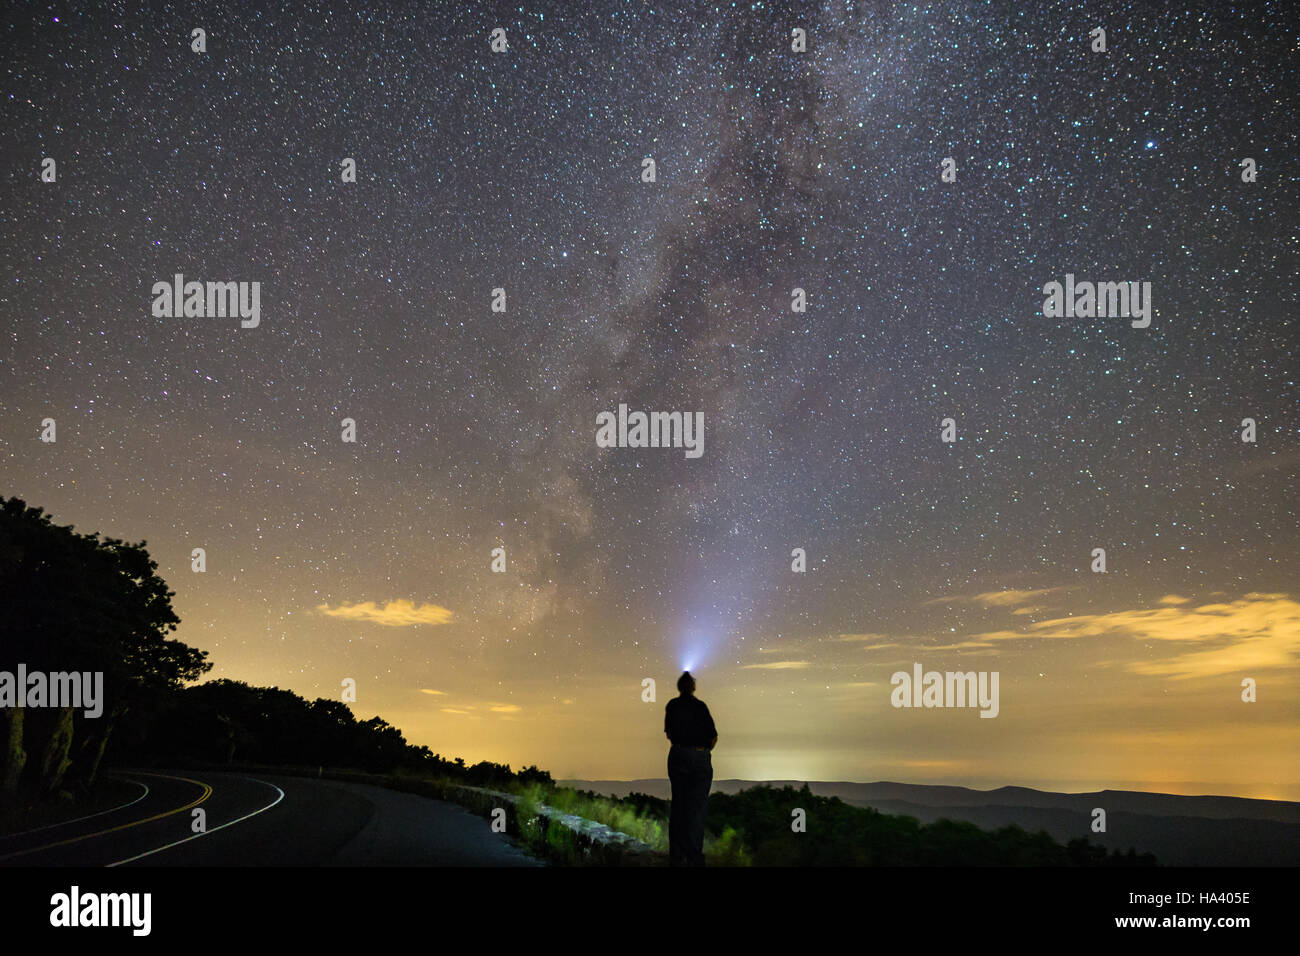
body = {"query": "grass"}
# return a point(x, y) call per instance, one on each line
point(645, 825)
point(646, 828)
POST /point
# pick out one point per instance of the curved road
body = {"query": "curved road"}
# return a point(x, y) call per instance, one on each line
point(266, 820)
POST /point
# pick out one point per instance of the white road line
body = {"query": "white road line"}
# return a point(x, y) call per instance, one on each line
point(91, 816)
point(140, 856)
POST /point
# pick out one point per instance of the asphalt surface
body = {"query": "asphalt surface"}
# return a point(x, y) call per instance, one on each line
point(265, 820)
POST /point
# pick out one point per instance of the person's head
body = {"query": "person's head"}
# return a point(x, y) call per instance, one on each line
point(686, 684)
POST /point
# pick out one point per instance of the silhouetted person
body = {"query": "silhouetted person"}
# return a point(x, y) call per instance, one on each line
point(689, 727)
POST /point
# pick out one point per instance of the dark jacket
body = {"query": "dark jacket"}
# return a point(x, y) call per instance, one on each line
point(688, 723)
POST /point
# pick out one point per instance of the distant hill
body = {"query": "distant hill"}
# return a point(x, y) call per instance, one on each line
point(1179, 830)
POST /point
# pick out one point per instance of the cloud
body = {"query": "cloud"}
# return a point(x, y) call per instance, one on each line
point(1010, 597)
point(467, 710)
point(428, 690)
point(778, 666)
point(392, 614)
point(868, 641)
point(1254, 633)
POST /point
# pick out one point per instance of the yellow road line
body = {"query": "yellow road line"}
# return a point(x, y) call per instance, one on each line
point(140, 856)
point(207, 792)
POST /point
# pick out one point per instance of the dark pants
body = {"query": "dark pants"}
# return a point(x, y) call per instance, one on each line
point(691, 774)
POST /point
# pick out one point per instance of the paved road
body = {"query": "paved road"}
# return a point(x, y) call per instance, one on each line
point(266, 820)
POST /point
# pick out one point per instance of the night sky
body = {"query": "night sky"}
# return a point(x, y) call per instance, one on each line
point(775, 170)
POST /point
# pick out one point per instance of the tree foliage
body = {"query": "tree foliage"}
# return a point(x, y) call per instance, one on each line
point(76, 602)
point(840, 834)
point(231, 722)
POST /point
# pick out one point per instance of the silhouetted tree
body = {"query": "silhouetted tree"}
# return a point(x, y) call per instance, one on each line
point(74, 602)
point(840, 834)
